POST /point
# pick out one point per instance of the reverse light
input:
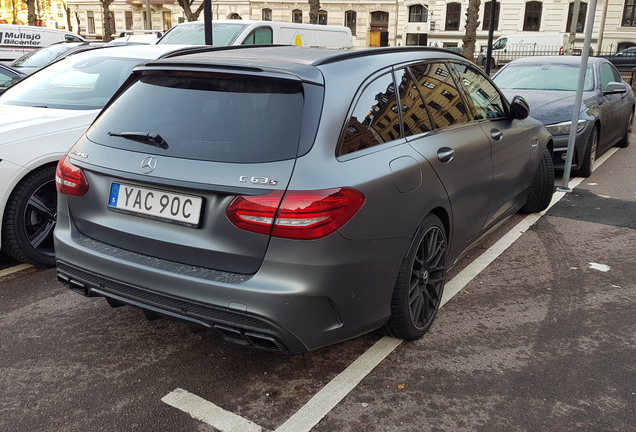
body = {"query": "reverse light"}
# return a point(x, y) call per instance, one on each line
point(564, 128)
point(69, 179)
point(300, 215)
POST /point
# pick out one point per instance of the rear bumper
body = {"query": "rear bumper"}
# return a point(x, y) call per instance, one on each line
point(232, 325)
point(302, 297)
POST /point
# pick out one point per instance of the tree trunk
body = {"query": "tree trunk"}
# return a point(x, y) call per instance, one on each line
point(314, 8)
point(77, 18)
point(68, 18)
point(31, 15)
point(472, 22)
point(108, 23)
point(15, 8)
point(186, 5)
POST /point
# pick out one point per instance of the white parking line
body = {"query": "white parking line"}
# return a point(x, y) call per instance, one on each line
point(330, 395)
point(14, 269)
point(209, 413)
point(338, 388)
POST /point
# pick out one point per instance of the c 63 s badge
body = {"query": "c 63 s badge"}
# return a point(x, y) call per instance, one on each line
point(258, 180)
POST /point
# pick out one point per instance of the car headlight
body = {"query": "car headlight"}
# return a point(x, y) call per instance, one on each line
point(564, 128)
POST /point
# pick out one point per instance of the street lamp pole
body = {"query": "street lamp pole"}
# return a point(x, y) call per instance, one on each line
point(207, 21)
point(148, 16)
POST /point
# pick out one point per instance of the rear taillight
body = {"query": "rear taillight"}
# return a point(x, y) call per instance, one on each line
point(300, 215)
point(69, 179)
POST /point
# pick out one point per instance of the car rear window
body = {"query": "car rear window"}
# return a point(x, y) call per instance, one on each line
point(203, 118)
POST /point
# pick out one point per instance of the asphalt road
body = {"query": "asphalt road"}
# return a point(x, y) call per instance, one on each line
point(542, 339)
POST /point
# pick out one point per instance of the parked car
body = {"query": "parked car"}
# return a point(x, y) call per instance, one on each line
point(41, 117)
point(36, 60)
point(624, 59)
point(8, 77)
point(549, 85)
point(290, 198)
point(16, 40)
point(248, 32)
point(136, 37)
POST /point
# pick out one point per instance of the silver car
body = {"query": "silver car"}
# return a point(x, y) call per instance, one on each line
point(289, 198)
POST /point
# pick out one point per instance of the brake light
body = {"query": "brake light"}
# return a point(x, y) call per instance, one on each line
point(299, 215)
point(69, 179)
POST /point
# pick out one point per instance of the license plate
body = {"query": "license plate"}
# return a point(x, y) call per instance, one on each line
point(155, 204)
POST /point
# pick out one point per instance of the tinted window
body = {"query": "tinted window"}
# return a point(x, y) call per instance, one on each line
point(442, 97)
point(415, 116)
point(259, 36)
point(487, 101)
point(375, 118)
point(235, 120)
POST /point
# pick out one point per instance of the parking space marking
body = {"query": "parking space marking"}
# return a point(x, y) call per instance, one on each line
point(330, 395)
point(209, 413)
point(338, 388)
point(14, 269)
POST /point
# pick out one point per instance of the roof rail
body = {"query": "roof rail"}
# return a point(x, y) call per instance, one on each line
point(366, 51)
point(197, 49)
point(123, 33)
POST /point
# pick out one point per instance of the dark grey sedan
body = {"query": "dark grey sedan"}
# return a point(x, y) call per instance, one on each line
point(288, 197)
point(549, 85)
point(624, 59)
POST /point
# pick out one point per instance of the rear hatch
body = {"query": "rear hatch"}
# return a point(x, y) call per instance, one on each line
point(169, 154)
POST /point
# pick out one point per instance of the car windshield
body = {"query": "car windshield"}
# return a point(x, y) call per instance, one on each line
point(78, 83)
point(542, 76)
point(222, 120)
point(41, 57)
point(223, 34)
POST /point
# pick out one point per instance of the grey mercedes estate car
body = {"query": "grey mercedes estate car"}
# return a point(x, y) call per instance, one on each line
point(289, 198)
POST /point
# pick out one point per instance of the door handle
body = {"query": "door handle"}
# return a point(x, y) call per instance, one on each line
point(445, 154)
point(496, 134)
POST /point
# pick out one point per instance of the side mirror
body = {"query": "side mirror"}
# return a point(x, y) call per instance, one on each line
point(519, 108)
point(615, 87)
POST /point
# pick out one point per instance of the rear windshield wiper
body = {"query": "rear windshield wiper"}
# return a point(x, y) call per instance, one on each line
point(143, 137)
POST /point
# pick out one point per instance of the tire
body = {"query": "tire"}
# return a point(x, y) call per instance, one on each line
point(542, 187)
point(420, 284)
point(29, 219)
point(590, 156)
point(627, 138)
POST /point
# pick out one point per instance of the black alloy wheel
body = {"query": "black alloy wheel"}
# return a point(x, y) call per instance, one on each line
point(29, 219)
point(420, 283)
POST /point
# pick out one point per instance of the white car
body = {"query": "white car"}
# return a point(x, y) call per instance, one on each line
point(41, 117)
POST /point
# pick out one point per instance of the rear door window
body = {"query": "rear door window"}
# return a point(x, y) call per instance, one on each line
point(212, 119)
point(375, 118)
